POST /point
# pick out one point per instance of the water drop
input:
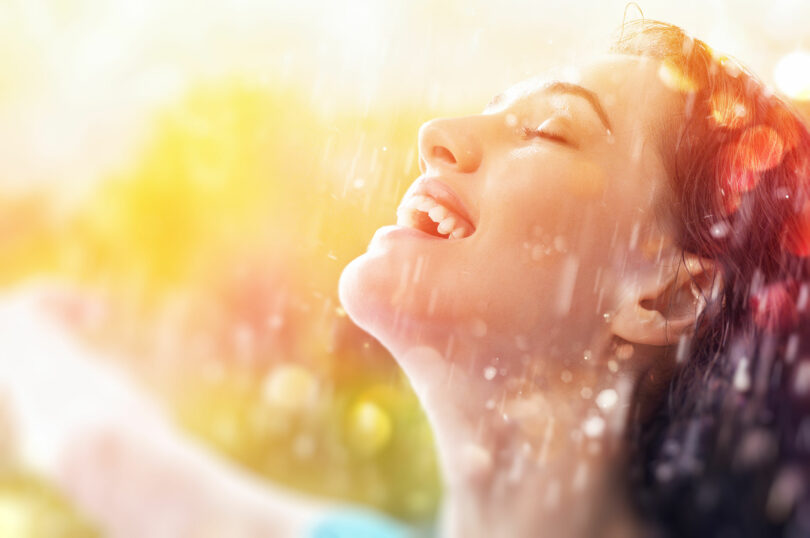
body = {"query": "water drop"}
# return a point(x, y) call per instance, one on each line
point(720, 229)
point(607, 399)
point(742, 378)
point(594, 426)
point(490, 372)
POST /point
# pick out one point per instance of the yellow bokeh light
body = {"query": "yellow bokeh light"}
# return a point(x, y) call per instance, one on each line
point(290, 387)
point(369, 428)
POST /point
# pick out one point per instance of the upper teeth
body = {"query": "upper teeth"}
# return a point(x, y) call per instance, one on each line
point(450, 223)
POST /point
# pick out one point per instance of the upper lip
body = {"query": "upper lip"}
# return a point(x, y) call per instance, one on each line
point(439, 191)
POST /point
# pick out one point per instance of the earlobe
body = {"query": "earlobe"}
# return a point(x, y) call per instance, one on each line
point(661, 309)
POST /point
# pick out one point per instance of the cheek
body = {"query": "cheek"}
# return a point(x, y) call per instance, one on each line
point(534, 205)
point(587, 181)
point(545, 179)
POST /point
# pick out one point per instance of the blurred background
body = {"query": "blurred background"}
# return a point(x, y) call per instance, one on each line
point(194, 176)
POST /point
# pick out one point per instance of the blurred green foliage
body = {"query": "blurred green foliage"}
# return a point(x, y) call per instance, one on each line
point(216, 256)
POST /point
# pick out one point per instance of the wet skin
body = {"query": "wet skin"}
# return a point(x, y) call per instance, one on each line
point(502, 329)
point(542, 208)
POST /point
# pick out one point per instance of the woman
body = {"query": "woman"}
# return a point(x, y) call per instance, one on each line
point(598, 290)
point(604, 278)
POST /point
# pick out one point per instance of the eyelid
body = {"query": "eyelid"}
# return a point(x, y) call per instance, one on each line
point(542, 131)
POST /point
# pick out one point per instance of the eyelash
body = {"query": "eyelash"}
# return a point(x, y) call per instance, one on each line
point(537, 132)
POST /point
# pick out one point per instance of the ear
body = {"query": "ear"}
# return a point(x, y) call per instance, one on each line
point(659, 309)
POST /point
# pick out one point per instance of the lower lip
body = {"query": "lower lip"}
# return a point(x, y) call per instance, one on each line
point(395, 231)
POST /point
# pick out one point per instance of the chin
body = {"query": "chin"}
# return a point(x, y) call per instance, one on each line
point(368, 293)
point(363, 297)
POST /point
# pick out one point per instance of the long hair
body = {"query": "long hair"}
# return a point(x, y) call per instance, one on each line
point(728, 451)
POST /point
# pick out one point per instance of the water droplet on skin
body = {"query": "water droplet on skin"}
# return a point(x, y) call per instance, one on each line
point(607, 399)
point(593, 426)
point(359, 183)
point(490, 372)
point(490, 404)
point(613, 366)
point(511, 120)
point(586, 393)
point(587, 355)
point(560, 245)
point(566, 376)
point(607, 316)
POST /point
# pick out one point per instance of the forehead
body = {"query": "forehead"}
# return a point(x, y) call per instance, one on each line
point(628, 88)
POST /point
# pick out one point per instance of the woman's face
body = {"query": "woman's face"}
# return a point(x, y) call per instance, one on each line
point(548, 199)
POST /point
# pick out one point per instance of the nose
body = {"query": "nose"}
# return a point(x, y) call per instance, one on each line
point(449, 145)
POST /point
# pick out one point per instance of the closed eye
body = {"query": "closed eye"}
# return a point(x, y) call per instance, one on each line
point(542, 132)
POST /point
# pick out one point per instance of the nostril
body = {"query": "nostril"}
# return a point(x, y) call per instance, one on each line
point(444, 154)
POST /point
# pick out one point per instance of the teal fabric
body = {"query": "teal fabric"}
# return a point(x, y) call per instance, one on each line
point(359, 524)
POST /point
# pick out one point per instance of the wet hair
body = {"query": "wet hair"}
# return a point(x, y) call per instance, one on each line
point(727, 453)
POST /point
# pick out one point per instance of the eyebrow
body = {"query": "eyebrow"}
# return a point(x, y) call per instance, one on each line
point(572, 89)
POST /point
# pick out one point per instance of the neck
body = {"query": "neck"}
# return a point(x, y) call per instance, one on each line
point(528, 445)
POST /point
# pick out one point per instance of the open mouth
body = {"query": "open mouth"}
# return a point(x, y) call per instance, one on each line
point(432, 216)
